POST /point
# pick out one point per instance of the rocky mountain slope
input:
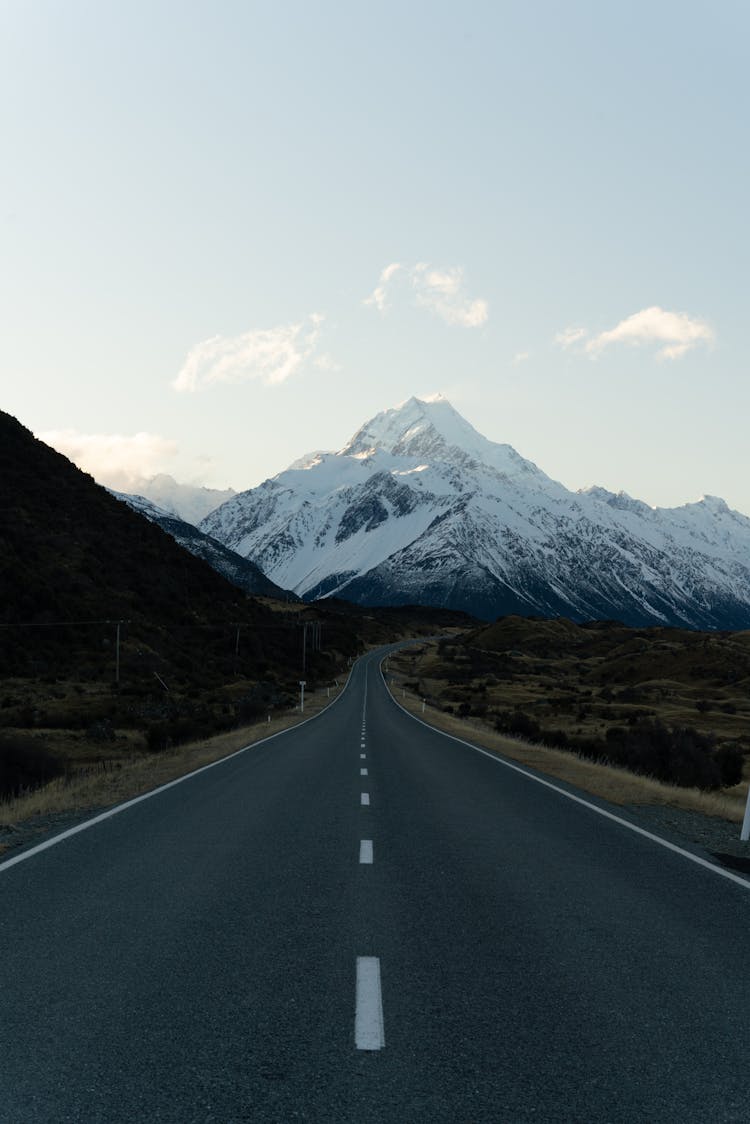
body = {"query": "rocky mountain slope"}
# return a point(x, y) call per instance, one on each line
point(420, 507)
point(238, 570)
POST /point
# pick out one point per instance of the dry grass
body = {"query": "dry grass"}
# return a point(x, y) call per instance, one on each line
point(582, 682)
point(139, 774)
point(608, 782)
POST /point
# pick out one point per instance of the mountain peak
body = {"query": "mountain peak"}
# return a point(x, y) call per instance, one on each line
point(432, 429)
point(420, 507)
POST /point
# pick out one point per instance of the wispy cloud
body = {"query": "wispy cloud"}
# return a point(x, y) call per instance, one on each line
point(570, 336)
point(268, 354)
point(520, 357)
point(440, 290)
point(379, 296)
point(672, 333)
point(115, 459)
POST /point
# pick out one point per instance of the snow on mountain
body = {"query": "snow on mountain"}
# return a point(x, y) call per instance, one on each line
point(186, 501)
point(434, 431)
point(420, 507)
point(240, 571)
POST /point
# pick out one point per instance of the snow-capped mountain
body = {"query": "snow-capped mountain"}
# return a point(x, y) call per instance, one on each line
point(189, 502)
point(239, 571)
point(420, 507)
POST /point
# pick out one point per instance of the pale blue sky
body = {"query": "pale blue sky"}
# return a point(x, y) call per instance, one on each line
point(178, 172)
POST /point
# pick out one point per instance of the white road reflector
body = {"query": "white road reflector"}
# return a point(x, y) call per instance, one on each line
point(364, 798)
point(365, 851)
point(369, 1033)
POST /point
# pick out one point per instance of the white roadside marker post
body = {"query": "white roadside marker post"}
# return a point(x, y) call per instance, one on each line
point(745, 833)
point(302, 695)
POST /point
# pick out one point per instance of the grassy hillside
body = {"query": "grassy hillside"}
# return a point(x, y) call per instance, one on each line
point(664, 702)
point(195, 655)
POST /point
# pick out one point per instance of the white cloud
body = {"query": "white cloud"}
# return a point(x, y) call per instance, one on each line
point(673, 333)
point(676, 332)
point(520, 357)
point(114, 459)
point(379, 296)
point(440, 290)
point(268, 354)
point(570, 336)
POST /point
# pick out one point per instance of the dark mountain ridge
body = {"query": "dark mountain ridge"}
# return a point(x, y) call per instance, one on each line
point(241, 572)
point(72, 553)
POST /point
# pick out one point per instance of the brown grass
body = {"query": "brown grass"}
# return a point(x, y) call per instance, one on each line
point(581, 682)
point(608, 782)
point(142, 773)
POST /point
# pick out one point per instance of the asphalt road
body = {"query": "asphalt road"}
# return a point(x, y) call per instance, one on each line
point(194, 958)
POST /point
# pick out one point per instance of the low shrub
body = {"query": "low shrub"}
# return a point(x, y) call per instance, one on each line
point(680, 756)
point(25, 764)
point(518, 724)
point(730, 761)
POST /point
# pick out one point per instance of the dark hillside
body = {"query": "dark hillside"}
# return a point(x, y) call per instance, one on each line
point(194, 655)
point(69, 550)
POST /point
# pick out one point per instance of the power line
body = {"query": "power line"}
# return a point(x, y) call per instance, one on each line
point(56, 624)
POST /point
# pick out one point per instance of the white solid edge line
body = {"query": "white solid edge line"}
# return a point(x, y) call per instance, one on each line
point(744, 882)
point(364, 798)
point(163, 787)
point(369, 1032)
point(365, 851)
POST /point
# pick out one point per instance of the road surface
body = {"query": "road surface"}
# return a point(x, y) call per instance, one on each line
point(362, 920)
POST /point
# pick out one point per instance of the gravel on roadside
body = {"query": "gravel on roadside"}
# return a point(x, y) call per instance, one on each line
point(717, 838)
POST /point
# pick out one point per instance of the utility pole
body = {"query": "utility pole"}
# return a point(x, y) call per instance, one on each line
point(304, 646)
point(117, 625)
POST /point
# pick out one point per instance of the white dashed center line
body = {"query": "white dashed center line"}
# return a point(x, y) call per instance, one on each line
point(364, 798)
point(363, 772)
point(362, 756)
point(365, 850)
point(369, 1032)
